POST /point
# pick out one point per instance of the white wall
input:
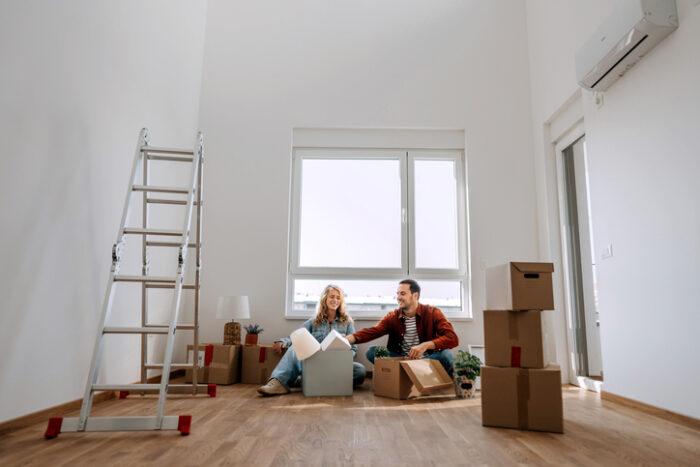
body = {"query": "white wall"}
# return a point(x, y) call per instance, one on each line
point(79, 79)
point(643, 165)
point(276, 65)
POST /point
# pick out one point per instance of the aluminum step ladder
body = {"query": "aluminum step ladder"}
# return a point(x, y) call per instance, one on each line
point(192, 194)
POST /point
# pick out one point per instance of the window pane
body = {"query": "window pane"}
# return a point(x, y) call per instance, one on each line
point(435, 225)
point(350, 213)
point(376, 295)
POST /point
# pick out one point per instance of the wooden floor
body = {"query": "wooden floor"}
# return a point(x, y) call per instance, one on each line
point(239, 428)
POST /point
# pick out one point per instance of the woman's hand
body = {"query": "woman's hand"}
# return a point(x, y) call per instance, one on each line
point(278, 347)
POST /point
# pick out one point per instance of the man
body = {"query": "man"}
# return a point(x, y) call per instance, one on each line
point(415, 330)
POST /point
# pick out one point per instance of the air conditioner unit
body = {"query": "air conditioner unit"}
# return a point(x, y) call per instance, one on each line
point(630, 32)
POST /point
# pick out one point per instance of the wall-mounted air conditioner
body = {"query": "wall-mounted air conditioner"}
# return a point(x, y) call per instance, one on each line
point(629, 33)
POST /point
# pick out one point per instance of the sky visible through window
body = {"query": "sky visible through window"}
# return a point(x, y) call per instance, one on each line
point(350, 213)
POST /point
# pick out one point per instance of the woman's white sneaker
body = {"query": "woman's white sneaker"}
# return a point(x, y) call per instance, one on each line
point(273, 388)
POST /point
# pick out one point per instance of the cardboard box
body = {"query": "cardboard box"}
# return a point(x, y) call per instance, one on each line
point(521, 398)
point(219, 365)
point(397, 377)
point(257, 363)
point(513, 339)
point(327, 373)
point(520, 286)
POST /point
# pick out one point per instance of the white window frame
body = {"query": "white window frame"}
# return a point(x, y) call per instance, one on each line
point(407, 157)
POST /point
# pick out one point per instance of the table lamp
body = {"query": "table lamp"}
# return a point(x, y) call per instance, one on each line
point(232, 308)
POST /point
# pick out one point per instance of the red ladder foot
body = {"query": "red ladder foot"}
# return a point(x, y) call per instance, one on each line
point(123, 394)
point(54, 427)
point(211, 390)
point(183, 424)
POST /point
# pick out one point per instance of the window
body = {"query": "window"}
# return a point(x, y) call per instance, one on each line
point(367, 218)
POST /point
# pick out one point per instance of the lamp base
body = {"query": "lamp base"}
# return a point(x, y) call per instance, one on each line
point(232, 333)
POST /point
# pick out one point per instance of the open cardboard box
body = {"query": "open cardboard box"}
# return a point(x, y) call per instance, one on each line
point(399, 377)
point(327, 373)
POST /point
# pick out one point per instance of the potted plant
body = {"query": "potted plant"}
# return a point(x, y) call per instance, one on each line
point(466, 368)
point(252, 331)
point(381, 352)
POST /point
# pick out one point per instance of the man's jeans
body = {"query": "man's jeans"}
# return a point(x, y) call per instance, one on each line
point(444, 357)
point(289, 369)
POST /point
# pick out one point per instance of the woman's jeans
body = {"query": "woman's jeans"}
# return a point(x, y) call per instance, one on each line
point(289, 369)
point(444, 357)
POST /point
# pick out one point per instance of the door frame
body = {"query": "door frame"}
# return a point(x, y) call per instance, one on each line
point(564, 142)
point(563, 128)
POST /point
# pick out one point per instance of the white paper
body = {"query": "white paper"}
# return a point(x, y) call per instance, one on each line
point(305, 345)
point(335, 341)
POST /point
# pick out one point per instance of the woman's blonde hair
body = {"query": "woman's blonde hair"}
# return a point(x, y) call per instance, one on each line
point(322, 308)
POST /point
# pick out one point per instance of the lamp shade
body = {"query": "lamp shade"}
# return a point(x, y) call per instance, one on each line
point(233, 308)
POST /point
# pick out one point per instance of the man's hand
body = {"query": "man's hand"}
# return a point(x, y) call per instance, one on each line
point(350, 338)
point(420, 349)
point(278, 347)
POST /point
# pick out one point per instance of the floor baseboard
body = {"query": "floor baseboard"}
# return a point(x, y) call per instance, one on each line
point(674, 417)
point(63, 409)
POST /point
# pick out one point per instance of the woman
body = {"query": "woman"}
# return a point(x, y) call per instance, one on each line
point(330, 314)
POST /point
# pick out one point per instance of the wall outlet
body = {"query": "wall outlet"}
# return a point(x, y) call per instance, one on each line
point(607, 252)
point(598, 99)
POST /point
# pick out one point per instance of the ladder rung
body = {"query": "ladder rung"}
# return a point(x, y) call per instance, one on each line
point(161, 189)
point(187, 388)
point(125, 387)
point(140, 231)
point(156, 157)
point(173, 366)
point(170, 422)
point(135, 330)
point(184, 327)
point(173, 244)
point(169, 201)
point(167, 280)
point(180, 389)
point(168, 286)
point(155, 150)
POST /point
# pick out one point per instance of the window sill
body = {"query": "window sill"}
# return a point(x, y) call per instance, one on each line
point(452, 319)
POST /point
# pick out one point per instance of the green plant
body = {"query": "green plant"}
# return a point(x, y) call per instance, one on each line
point(253, 328)
point(381, 352)
point(467, 364)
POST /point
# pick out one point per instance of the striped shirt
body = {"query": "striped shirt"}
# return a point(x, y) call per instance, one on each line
point(410, 338)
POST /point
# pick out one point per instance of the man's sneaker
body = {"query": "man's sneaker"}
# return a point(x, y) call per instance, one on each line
point(273, 388)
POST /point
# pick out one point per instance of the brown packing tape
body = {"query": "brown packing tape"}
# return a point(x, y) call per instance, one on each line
point(512, 325)
point(523, 382)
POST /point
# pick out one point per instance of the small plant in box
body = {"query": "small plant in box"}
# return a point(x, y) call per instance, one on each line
point(252, 331)
point(381, 352)
point(466, 368)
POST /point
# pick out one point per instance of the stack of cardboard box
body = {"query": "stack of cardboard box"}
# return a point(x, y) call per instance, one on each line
point(518, 388)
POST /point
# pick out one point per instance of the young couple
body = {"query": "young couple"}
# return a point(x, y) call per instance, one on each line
point(415, 331)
